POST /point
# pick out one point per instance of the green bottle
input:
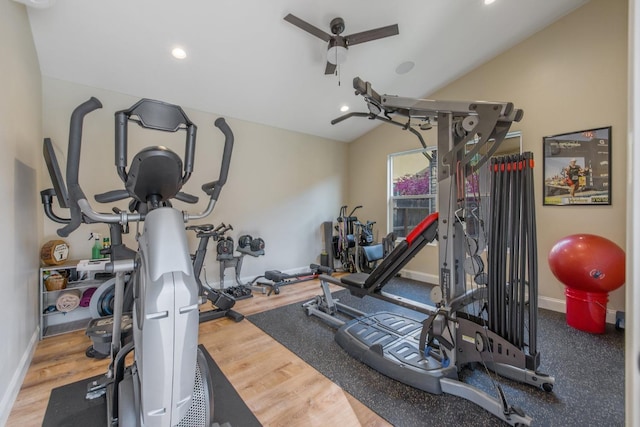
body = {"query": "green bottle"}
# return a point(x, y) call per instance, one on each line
point(97, 247)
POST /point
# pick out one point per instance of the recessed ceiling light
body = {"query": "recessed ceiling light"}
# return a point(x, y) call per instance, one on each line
point(344, 108)
point(405, 67)
point(488, 1)
point(179, 53)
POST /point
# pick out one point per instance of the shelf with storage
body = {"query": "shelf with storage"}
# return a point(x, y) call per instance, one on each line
point(54, 321)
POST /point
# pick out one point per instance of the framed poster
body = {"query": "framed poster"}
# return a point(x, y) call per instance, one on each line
point(577, 168)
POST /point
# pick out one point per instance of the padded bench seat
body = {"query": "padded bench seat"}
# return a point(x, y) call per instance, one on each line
point(355, 279)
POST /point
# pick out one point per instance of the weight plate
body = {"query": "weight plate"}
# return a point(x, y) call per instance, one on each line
point(473, 265)
point(472, 246)
point(436, 294)
point(481, 279)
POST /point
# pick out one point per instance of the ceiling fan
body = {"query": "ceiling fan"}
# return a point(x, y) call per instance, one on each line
point(338, 45)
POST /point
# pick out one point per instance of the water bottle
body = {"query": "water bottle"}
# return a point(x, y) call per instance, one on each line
point(97, 247)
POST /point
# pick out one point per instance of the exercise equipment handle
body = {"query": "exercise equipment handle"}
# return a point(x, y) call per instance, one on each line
point(73, 163)
point(213, 188)
point(355, 209)
point(222, 230)
point(47, 200)
point(321, 269)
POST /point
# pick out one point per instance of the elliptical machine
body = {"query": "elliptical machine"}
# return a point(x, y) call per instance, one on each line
point(169, 382)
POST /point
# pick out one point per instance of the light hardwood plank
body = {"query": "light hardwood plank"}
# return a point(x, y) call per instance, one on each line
point(279, 387)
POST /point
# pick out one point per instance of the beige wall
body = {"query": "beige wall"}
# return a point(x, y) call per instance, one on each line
point(568, 77)
point(20, 218)
point(282, 185)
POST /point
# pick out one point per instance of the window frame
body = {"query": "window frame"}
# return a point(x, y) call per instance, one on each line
point(391, 198)
point(512, 144)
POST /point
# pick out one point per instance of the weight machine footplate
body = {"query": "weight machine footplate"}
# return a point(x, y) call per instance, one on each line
point(388, 342)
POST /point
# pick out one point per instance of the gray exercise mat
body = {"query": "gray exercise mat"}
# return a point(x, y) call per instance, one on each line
point(589, 370)
point(68, 408)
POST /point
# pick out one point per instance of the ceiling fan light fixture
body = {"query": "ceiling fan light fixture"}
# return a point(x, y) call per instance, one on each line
point(337, 49)
point(337, 55)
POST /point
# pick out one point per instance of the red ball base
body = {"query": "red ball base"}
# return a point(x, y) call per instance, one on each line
point(587, 311)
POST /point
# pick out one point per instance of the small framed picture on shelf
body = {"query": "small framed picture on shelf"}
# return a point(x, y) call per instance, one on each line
point(577, 168)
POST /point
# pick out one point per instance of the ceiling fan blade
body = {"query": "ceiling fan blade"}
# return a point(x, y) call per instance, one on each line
point(307, 27)
point(378, 33)
point(330, 69)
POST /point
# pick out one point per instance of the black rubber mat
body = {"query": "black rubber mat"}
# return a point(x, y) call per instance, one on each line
point(69, 408)
point(589, 370)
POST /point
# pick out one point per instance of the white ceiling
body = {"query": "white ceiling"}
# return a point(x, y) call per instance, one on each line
point(245, 61)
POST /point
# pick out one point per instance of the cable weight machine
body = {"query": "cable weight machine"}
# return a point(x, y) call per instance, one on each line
point(479, 318)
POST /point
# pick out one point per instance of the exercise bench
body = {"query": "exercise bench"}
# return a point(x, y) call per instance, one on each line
point(361, 284)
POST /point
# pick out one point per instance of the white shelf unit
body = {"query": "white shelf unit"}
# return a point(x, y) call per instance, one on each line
point(56, 322)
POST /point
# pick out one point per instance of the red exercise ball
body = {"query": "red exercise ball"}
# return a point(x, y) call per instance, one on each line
point(589, 263)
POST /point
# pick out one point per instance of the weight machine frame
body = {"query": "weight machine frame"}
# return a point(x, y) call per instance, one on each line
point(468, 134)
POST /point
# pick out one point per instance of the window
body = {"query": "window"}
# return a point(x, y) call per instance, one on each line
point(413, 184)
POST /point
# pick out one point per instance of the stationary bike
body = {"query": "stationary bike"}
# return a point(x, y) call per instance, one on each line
point(169, 382)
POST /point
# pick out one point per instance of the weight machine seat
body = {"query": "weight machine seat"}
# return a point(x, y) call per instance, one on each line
point(424, 233)
point(373, 252)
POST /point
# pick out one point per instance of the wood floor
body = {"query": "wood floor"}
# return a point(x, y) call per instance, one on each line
point(279, 387)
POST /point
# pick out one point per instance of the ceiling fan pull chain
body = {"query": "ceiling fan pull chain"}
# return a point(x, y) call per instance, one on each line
point(337, 67)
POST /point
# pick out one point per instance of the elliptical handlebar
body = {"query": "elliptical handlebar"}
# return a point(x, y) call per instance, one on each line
point(81, 209)
point(213, 188)
point(158, 115)
point(73, 163)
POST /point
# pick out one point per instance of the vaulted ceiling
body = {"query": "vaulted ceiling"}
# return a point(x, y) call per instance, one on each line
point(245, 61)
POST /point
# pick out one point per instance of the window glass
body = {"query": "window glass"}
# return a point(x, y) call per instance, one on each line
point(413, 186)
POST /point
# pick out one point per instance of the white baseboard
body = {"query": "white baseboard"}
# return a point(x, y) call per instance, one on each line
point(552, 304)
point(419, 276)
point(560, 306)
point(12, 390)
point(547, 303)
